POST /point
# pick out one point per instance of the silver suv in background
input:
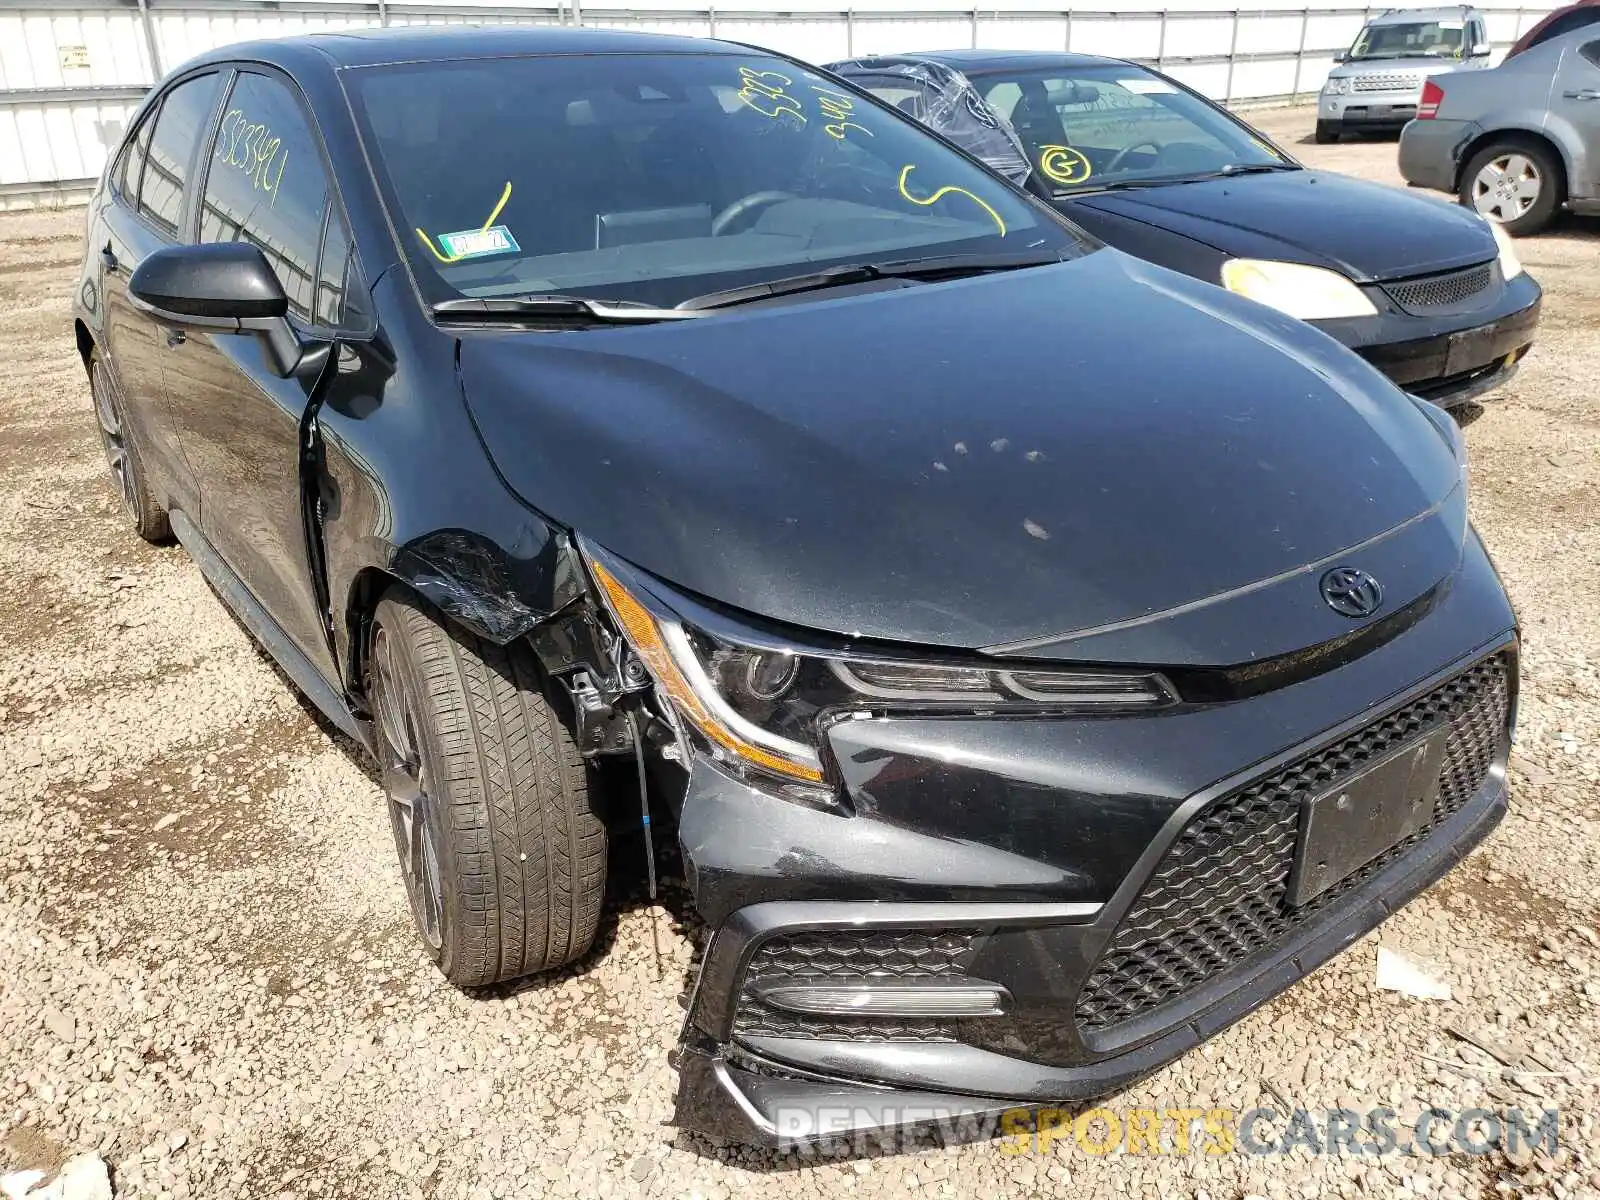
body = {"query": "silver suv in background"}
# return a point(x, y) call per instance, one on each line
point(1378, 82)
point(1518, 142)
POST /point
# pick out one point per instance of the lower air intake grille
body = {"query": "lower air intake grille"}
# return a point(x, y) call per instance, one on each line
point(1219, 895)
point(1441, 291)
point(851, 956)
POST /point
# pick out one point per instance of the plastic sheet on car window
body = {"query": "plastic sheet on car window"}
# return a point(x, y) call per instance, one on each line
point(945, 101)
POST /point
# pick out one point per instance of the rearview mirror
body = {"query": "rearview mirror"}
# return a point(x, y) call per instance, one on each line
point(224, 287)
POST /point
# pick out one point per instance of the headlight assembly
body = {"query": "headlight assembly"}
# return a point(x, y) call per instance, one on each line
point(760, 707)
point(1510, 264)
point(1337, 86)
point(1309, 293)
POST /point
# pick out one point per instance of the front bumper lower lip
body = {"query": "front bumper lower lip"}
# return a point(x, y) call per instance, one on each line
point(788, 1091)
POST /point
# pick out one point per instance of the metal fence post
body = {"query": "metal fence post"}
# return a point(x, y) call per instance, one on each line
point(577, 12)
point(156, 69)
point(849, 33)
point(383, 13)
point(711, 19)
point(1068, 44)
point(1233, 57)
point(1161, 43)
point(974, 27)
point(1300, 55)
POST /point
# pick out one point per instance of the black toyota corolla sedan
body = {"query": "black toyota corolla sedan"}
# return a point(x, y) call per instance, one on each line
point(1041, 657)
point(1431, 294)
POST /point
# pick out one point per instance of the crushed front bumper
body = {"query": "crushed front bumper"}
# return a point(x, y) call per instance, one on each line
point(1121, 882)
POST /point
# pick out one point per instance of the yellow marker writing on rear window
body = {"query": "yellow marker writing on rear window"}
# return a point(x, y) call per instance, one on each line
point(948, 189)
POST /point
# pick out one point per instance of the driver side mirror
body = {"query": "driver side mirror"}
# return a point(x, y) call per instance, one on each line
point(1340, 57)
point(1481, 50)
point(224, 287)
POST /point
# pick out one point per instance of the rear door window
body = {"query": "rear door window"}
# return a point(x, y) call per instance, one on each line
point(184, 115)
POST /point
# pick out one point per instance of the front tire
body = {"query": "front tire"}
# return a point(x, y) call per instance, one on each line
point(149, 519)
point(1327, 133)
point(1519, 184)
point(503, 857)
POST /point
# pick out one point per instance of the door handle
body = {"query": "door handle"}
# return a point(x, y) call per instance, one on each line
point(176, 338)
point(1582, 94)
point(108, 258)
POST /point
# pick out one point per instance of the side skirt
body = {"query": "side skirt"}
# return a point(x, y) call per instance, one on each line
point(268, 632)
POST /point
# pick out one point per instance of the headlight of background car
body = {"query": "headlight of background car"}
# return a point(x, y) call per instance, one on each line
point(761, 709)
point(1337, 86)
point(1309, 293)
point(1510, 264)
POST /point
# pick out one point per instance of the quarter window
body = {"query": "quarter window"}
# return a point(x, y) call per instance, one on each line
point(266, 185)
point(177, 129)
point(131, 165)
point(1591, 51)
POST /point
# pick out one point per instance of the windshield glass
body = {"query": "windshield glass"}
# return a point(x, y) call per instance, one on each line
point(1091, 127)
point(654, 178)
point(1437, 39)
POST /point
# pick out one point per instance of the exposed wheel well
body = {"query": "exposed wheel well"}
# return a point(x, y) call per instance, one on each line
point(1512, 137)
point(365, 590)
point(85, 340)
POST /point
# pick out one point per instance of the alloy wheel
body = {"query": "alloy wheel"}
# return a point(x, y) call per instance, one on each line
point(1507, 187)
point(114, 440)
point(413, 812)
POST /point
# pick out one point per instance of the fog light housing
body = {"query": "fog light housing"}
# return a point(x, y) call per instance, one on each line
point(931, 998)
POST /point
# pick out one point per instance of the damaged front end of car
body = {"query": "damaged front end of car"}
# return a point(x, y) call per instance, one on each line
point(943, 886)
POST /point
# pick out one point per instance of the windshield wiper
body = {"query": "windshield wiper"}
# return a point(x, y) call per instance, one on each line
point(1232, 169)
point(555, 307)
point(947, 266)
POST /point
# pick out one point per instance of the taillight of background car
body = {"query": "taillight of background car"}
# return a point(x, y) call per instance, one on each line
point(1432, 96)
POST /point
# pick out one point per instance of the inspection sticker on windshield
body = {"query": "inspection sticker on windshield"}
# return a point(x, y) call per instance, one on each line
point(476, 243)
point(1148, 87)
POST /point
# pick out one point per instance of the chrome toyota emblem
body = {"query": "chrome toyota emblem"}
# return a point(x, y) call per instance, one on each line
point(1351, 592)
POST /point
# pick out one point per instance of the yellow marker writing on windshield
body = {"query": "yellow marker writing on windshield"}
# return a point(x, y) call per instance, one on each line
point(1063, 164)
point(451, 258)
point(947, 190)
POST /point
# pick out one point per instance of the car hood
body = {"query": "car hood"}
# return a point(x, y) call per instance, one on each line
point(1364, 230)
point(1020, 462)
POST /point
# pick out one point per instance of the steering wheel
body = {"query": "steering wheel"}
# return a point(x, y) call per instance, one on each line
point(1118, 158)
point(744, 205)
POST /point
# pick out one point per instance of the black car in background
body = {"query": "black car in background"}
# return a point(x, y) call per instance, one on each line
point(1431, 295)
point(1043, 658)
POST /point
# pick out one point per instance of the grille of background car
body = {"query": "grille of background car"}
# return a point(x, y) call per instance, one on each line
point(851, 956)
point(1385, 83)
point(1441, 291)
point(1219, 895)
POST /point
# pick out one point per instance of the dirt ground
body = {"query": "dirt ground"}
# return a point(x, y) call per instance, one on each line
point(208, 975)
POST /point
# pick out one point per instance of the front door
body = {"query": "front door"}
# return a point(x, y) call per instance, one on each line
point(264, 183)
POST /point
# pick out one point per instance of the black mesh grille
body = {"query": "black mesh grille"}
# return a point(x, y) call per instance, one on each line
point(850, 956)
point(1218, 896)
point(1441, 291)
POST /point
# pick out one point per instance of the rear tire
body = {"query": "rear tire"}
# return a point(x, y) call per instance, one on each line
point(149, 519)
point(1515, 182)
point(503, 858)
point(1327, 133)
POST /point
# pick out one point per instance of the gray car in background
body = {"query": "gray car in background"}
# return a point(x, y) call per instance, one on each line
point(1378, 83)
point(1518, 142)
